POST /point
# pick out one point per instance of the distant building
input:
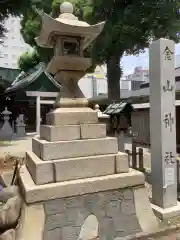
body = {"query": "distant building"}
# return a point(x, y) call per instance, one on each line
point(138, 77)
point(13, 44)
point(94, 84)
point(177, 61)
point(125, 84)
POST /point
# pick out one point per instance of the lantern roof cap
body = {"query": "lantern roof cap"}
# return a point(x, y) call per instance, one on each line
point(67, 17)
point(66, 7)
point(67, 24)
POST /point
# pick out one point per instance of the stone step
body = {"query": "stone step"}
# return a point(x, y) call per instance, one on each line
point(66, 116)
point(37, 193)
point(72, 132)
point(77, 148)
point(43, 172)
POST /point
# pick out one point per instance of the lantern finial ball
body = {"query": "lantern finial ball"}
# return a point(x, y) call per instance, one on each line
point(66, 7)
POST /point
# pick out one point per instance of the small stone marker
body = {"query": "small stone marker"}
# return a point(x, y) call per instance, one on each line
point(20, 126)
point(6, 132)
point(163, 123)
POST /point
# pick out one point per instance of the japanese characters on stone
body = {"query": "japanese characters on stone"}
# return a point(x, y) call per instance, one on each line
point(168, 121)
point(169, 158)
point(167, 54)
point(167, 87)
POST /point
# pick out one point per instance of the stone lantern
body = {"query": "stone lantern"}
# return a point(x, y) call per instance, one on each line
point(69, 37)
point(76, 184)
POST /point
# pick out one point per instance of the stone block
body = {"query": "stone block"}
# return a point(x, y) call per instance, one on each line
point(74, 216)
point(106, 228)
point(55, 206)
point(37, 193)
point(122, 164)
point(128, 223)
point(73, 202)
point(113, 208)
point(84, 167)
point(93, 131)
point(128, 207)
point(59, 133)
point(66, 116)
point(70, 233)
point(54, 234)
point(144, 210)
point(41, 172)
point(76, 148)
point(54, 221)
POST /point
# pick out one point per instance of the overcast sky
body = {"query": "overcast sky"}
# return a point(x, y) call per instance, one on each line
point(130, 62)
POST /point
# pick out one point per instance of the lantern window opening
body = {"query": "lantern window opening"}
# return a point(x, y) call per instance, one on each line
point(71, 47)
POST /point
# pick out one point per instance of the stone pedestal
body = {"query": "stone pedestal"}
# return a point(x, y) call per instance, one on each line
point(76, 185)
point(20, 130)
point(20, 126)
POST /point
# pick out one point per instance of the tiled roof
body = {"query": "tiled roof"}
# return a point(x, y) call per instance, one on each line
point(24, 79)
point(116, 108)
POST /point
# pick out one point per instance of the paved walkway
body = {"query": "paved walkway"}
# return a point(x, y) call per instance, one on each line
point(16, 147)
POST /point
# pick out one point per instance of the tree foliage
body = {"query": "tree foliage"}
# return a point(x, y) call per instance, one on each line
point(130, 27)
point(28, 60)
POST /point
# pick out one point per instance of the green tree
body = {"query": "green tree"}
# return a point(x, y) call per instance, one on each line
point(28, 60)
point(130, 26)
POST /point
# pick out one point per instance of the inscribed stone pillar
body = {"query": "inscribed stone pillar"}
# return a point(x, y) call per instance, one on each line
point(163, 123)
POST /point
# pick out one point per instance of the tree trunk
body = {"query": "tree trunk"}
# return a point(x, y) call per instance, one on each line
point(113, 78)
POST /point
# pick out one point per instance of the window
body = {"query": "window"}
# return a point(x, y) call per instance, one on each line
point(71, 48)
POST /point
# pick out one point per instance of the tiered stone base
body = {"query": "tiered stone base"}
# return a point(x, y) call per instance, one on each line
point(76, 184)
